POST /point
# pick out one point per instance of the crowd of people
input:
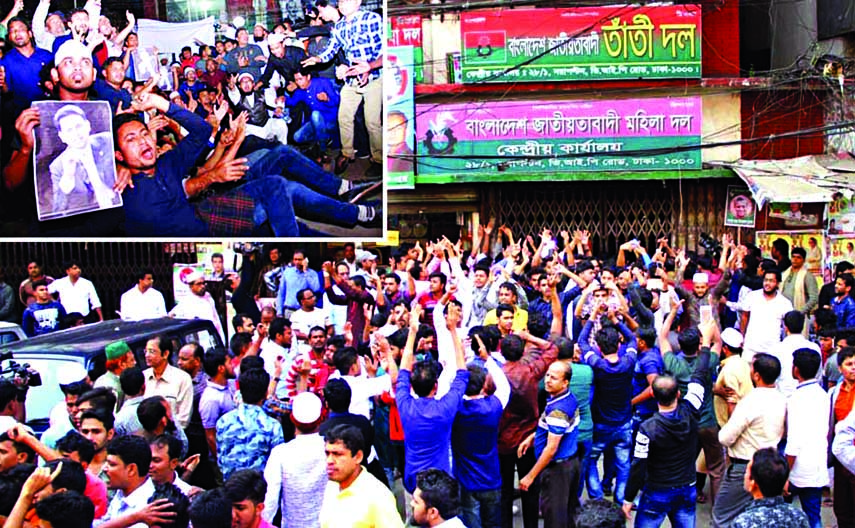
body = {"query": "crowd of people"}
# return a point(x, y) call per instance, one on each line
point(463, 379)
point(229, 139)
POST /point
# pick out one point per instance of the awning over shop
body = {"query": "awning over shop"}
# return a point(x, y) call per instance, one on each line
point(804, 179)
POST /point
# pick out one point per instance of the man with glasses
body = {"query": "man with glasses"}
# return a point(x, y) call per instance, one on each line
point(142, 301)
point(198, 305)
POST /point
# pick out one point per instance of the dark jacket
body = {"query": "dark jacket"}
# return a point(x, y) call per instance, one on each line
point(666, 444)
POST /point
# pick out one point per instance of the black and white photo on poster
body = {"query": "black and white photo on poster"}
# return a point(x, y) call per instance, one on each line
point(75, 163)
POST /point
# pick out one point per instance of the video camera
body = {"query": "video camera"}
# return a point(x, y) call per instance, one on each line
point(711, 245)
point(22, 376)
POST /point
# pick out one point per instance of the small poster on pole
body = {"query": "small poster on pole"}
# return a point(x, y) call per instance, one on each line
point(740, 210)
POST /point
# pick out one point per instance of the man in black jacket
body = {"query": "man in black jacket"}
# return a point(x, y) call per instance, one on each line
point(666, 448)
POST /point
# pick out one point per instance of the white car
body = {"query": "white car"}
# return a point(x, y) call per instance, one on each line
point(10, 332)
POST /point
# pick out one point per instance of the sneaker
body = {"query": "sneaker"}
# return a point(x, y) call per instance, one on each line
point(359, 191)
point(342, 163)
point(377, 220)
point(374, 170)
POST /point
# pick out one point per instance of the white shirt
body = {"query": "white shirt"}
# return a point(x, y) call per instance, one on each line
point(137, 306)
point(362, 388)
point(122, 505)
point(454, 522)
point(182, 486)
point(337, 313)
point(784, 352)
point(296, 475)
point(195, 307)
point(303, 321)
point(807, 426)
point(78, 297)
point(764, 323)
point(270, 350)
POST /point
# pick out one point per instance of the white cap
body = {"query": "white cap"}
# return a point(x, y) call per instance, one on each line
point(306, 408)
point(189, 69)
point(275, 38)
point(173, 95)
point(362, 256)
point(245, 74)
point(192, 277)
point(701, 278)
point(72, 373)
point(71, 48)
point(731, 337)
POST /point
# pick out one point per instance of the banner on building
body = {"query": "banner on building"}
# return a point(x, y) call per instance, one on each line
point(400, 135)
point(813, 243)
point(841, 215)
point(407, 31)
point(486, 141)
point(840, 249)
point(582, 43)
point(170, 37)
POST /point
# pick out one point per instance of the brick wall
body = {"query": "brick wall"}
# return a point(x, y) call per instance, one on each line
point(720, 40)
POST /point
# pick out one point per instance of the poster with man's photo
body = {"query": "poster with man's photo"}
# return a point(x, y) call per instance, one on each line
point(75, 162)
point(740, 210)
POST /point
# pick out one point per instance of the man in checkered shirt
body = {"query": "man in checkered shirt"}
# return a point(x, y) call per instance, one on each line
point(360, 34)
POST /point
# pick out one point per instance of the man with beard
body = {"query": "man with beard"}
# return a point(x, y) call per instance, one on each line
point(284, 60)
point(310, 372)
point(246, 98)
point(259, 38)
point(219, 395)
point(73, 77)
point(213, 75)
point(763, 316)
point(80, 32)
point(198, 305)
point(20, 69)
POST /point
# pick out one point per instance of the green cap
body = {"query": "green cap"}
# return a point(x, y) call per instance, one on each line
point(116, 350)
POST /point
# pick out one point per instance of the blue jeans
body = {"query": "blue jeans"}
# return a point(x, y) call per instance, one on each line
point(678, 504)
point(583, 448)
point(605, 436)
point(811, 500)
point(286, 161)
point(316, 129)
point(283, 199)
point(481, 509)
